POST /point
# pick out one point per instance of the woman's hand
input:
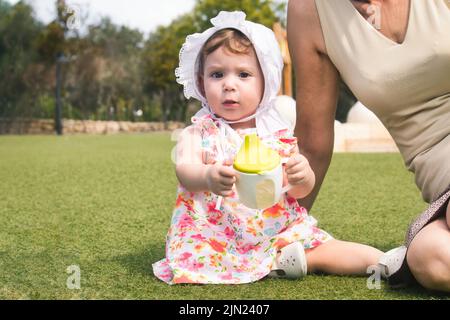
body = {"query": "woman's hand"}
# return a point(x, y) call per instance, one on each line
point(300, 175)
point(220, 179)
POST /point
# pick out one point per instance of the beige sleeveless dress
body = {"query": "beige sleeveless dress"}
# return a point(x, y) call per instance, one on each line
point(406, 85)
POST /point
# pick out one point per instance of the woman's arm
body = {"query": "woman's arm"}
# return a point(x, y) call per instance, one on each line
point(316, 90)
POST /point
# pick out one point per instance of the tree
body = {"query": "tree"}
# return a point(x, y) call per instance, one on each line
point(112, 70)
point(160, 58)
point(259, 11)
point(105, 81)
point(18, 30)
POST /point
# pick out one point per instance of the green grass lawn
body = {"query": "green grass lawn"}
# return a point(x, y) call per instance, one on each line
point(104, 203)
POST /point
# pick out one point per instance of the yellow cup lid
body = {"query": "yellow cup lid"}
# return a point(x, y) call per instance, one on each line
point(255, 157)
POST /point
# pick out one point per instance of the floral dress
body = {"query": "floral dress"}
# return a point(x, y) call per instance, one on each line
point(235, 244)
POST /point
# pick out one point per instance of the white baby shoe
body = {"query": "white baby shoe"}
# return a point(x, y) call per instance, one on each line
point(391, 261)
point(291, 263)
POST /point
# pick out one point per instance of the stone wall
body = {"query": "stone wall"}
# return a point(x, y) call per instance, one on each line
point(362, 137)
point(349, 137)
point(46, 126)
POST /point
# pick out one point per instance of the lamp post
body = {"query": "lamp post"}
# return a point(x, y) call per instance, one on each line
point(60, 59)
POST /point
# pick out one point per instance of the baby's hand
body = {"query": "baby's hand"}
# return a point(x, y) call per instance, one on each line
point(220, 179)
point(298, 171)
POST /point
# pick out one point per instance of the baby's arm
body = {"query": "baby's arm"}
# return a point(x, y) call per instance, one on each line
point(299, 174)
point(195, 175)
point(190, 170)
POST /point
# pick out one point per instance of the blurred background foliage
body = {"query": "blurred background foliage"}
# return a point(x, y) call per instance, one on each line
point(111, 72)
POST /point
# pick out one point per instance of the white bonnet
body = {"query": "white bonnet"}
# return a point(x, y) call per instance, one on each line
point(267, 51)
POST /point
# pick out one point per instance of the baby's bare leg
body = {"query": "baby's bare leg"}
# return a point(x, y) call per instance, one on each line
point(342, 257)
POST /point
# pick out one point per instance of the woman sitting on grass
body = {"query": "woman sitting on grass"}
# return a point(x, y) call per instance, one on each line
point(395, 57)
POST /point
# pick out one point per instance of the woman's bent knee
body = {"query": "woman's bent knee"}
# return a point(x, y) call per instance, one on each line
point(435, 274)
point(429, 256)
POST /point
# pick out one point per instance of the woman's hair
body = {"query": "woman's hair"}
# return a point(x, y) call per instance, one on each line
point(231, 39)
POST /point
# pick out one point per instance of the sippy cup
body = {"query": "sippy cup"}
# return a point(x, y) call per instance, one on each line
point(259, 182)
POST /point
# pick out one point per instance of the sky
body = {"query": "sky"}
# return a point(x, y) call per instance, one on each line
point(144, 15)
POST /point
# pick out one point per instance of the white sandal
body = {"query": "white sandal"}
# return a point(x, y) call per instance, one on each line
point(291, 263)
point(391, 261)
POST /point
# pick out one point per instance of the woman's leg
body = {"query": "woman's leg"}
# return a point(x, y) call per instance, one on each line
point(342, 257)
point(429, 255)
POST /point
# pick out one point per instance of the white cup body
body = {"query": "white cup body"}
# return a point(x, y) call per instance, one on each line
point(260, 191)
